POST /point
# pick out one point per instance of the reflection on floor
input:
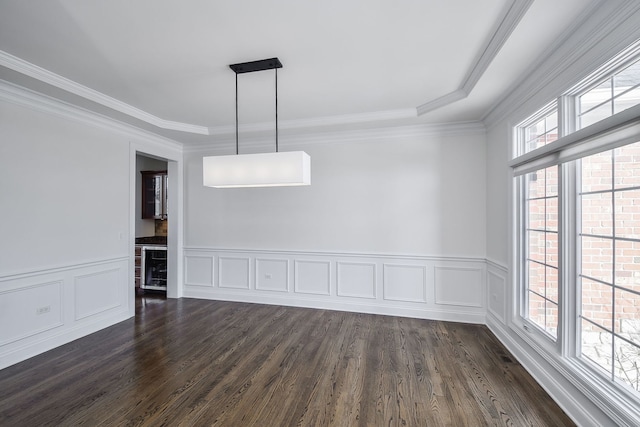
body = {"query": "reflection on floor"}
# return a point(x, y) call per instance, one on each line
point(147, 299)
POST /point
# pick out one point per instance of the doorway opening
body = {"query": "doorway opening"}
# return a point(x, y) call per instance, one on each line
point(151, 225)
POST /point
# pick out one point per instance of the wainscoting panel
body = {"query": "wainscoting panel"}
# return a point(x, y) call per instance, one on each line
point(356, 279)
point(52, 307)
point(233, 272)
point(405, 283)
point(411, 286)
point(199, 270)
point(90, 296)
point(459, 286)
point(30, 310)
point(496, 290)
point(313, 277)
point(272, 274)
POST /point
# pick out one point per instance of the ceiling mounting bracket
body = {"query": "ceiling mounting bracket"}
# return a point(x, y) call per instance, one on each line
point(250, 67)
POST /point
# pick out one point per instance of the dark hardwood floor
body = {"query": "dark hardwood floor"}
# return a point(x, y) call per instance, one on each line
point(199, 363)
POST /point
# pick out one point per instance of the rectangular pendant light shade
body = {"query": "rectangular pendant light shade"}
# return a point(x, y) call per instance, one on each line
point(285, 168)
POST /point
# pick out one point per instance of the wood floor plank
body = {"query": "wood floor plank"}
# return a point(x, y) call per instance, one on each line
point(193, 362)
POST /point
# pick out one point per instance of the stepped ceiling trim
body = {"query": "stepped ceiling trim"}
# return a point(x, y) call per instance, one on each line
point(507, 22)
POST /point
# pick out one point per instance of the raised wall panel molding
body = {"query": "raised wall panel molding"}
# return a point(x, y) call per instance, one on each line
point(30, 310)
point(60, 304)
point(199, 270)
point(312, 277)
point(356, 279)
point(405, 282)
point(272, 274)
point(96, 292)
point(458, 286)
point(496, 293)
point(400, 285)
point(43, 103)
point(60, 268)
point(233, 272)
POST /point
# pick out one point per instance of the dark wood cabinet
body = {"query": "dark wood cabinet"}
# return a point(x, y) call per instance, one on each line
point(154, 194)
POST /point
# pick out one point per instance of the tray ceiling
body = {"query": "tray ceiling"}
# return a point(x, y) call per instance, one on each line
point(163, 65)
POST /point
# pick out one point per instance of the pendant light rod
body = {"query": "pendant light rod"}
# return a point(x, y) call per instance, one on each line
point(276, 109)
point(250, 67)
point(237, 151)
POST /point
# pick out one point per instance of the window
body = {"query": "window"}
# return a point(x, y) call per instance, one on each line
point(609, 201)
point(543, 129)
point(578, 231)
point(540, 225)
point(541, 251)
point(610, 95)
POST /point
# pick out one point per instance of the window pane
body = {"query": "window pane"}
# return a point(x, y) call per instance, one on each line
point(597, 216)
point(627, 211)
point(627, 363)
point(551, 244)
point(593, 116)
point(551, 181)
point(597, 172)
point(597, 345)
point(627, 166)
point(551, 222)
point(596, 304)
point(535, 211)
point(628, 316)
point(537, 245)
point(597, 258)
point(535, 274)
point(551, 290)
point(627, 78)
point(536, 184)
point(534, 136)
point(551, 320)
point(595, 104)
point(542, 132)
point(628, 265)
point(626, 100)
point(551, 124)
point(537, 309)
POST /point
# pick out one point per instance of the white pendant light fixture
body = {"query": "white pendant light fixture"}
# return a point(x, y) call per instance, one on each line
point(279, 169)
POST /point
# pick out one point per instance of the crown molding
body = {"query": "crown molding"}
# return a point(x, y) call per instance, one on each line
point(601, 31)
point(508, 21)
point(444, 100)
point(28, 69)
point(23, 97)
point(226, 143)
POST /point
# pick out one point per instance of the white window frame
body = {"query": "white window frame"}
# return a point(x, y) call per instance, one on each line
point(615, 131)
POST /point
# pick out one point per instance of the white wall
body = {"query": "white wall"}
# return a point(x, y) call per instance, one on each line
point(418, 194)
point(393, 222)
point(63, 192)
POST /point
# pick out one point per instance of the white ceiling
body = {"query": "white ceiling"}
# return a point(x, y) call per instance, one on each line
point(164, 63)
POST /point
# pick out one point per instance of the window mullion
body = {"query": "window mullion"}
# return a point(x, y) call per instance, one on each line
point(568, 260)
